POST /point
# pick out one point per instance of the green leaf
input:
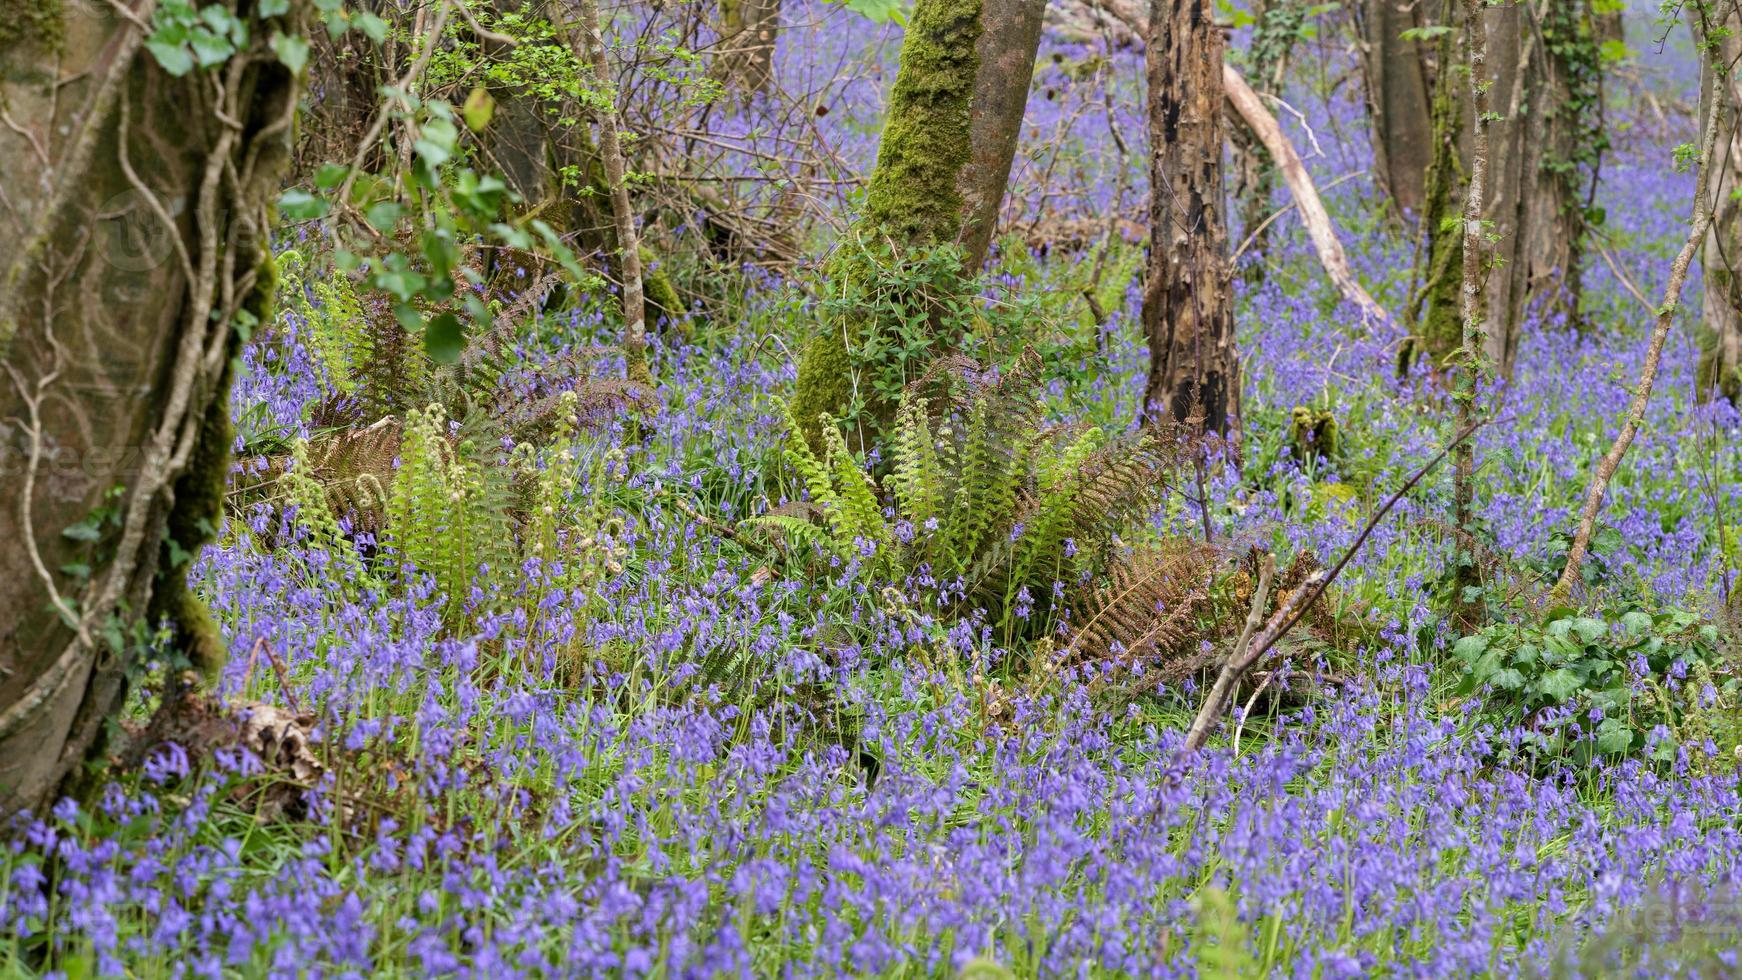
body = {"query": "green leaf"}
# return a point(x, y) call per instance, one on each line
point(1613, 736)
point(172, 58)
point(274, 8)
point(299, 205)
point(478, 110)
point(292, 51)
point(1507, 680)
point(1590, 630)
point(210, 49)
point(331, 175)
point(876, 11)
point(1558, 684)
point(444, 338)
point(373, 27)
point(383, 215)
point(1470, 647)
point(1635, 622)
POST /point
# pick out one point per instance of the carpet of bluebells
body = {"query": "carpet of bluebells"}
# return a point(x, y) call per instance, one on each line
point(569, 783)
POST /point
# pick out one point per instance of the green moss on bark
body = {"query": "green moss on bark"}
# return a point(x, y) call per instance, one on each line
point(41, 21)
point(1439, 319)
point(914, 200)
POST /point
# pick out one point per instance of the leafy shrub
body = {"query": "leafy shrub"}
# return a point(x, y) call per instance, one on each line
point(903, 314)
point(1619, 680)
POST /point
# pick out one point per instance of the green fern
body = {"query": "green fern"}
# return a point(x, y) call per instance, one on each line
point(1010, 509)
point(448, 515)
point(917, 482)
point(854, 509)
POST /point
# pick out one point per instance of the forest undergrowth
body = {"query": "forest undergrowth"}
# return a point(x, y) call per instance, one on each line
point(559, 676)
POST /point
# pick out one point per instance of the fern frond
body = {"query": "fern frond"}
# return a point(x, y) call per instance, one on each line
point(805, 462)
point(795, 532)
point(855, 513)
point(1148, 607)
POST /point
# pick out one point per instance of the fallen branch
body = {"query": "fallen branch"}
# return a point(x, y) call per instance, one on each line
point(1306, 197)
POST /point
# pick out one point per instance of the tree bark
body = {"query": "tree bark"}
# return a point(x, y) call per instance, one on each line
point(1475, 308)
point(133, 229)
point(1548, 132)
point(1399, 92)
point(949, 139)
point(1009, 41)
point(622, 215)
point(1187, 313)
point(1719, 369)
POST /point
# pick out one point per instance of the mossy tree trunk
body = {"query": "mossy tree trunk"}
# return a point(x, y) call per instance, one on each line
point(1546, 143)
point(133, 237)
point(949, 140)
point(1435, 309)
point(1719, 369)
point(1187, 311)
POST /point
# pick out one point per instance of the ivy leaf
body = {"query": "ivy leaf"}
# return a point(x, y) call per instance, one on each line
point(292, 51)
point(1558, 684)
point(172, 58)
point(1470, 647)
point(210, 49)
point(1507, 680)
point(1590, 630)
point(1613, 736)
point(274, 8)
point(444, 338)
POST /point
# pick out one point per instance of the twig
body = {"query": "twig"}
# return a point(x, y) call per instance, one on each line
point(1621, 276)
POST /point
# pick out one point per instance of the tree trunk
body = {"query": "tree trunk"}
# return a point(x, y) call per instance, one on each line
point(1476, 310)
point(950, 137)
point(1399, 98)
point(1546, 143)
point(1187, 313)
point(1719, 370)
point(1436, 309)
point(622, 215)
point(133, 229)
